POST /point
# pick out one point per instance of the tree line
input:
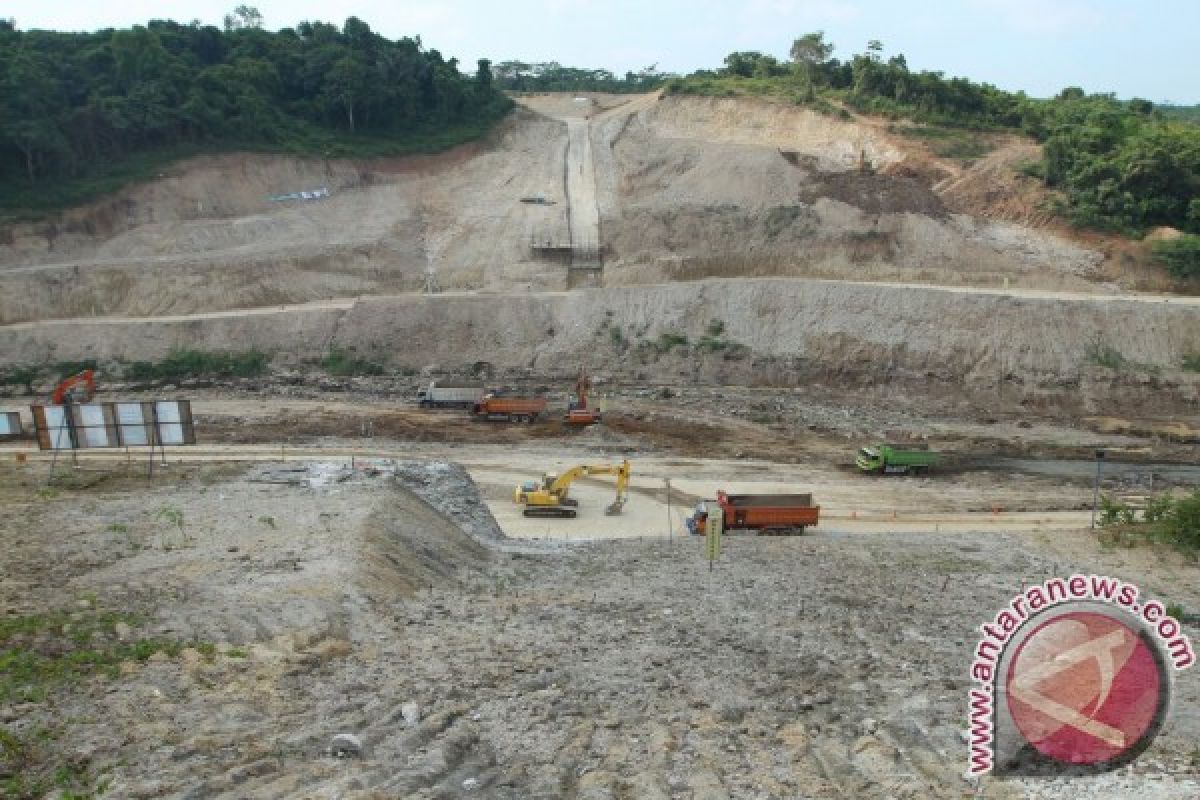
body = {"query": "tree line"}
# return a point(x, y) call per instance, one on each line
point(72, 101)
point(1119, 165)
point(550, 76)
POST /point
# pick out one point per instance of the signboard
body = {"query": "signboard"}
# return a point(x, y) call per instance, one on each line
point(125, 424)
point(170, 423)
point(10, 424)
point(131, 424)
point(714, 527)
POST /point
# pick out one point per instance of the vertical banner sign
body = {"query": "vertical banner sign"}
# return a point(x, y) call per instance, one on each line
point(170, 423)
point(714, 527)
point(10, 424)
point(132, 422)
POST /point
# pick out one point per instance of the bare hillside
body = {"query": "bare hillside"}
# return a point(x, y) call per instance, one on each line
point(684, 188)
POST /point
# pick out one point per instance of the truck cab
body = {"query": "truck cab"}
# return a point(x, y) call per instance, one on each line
point(869, 460)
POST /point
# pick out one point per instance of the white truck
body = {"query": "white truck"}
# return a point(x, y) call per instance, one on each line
point(459, 395)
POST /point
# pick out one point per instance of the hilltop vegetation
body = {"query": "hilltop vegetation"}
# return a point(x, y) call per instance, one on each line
point(1122, 166)
point(80, 113)
point(550, 76)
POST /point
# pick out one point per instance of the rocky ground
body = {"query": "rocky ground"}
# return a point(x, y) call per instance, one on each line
point(266, 611)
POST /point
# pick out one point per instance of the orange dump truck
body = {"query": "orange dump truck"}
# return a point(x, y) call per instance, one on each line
point(765, 513)
point(511, 409)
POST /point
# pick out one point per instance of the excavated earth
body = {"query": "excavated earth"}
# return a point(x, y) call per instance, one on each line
point(317, 600)
point(778, 287)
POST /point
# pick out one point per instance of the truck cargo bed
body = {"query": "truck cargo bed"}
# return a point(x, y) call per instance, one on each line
point(769, 500)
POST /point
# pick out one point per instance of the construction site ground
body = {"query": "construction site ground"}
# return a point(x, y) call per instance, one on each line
point(313, 592)
point(333, 595)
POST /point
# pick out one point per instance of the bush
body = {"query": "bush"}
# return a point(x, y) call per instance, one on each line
point(1180, 525)
point(1180, 256)
point(23, 376)
point(1105, 355)
point(669, 341)
point(183, 364)
point(1114, 512)
point(1191, 362)
point(341, 362)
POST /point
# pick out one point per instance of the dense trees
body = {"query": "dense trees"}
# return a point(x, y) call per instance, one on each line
point(550, 76)
point(1119, 165)
point(72, 101)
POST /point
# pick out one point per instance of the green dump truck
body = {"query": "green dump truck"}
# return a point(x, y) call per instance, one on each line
point(883, 458)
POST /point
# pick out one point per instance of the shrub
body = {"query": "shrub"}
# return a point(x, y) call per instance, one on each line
point(1180, 256)
point(1114, 512)
point(341, 362)
point(669, 341)
point(182, 364)
point(1105, 355)
point(22, 376)
point(1180, 525)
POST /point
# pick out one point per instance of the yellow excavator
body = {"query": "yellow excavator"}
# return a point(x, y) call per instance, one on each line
point(551, 497)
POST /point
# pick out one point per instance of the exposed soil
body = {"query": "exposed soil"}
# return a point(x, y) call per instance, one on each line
point(318, 600)
point(779, 288)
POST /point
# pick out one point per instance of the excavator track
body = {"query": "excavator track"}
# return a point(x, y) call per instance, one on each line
point(550, 511)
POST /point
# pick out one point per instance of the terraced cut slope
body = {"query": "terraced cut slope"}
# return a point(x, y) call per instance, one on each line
point(684, 188)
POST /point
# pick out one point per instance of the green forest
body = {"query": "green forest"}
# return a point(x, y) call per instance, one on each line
point(82, 113)
point(1123, 166)
point(550, 76)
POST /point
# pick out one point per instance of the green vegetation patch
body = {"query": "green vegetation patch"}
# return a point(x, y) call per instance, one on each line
point(53, 652)
point(1165, 518)
point(1105, 355)
point(344, 363)
point(41, 652)
point(957, 143)
point(183, 364)
point(1181, 255)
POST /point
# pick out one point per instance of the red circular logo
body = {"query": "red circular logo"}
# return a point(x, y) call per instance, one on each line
point(1085, 688)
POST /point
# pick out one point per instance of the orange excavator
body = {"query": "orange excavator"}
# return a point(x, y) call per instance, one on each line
point(578, 411)
point(79, 388)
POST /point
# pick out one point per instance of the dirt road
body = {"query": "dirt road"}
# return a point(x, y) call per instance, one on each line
point(850, 503)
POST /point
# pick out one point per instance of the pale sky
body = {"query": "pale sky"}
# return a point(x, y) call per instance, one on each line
point(1146, 49)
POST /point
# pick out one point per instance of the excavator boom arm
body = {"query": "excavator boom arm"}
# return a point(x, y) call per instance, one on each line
point(87, 378)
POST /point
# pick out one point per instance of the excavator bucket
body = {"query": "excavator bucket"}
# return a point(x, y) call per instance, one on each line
point(615, 507)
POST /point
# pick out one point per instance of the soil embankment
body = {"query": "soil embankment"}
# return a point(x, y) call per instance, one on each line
point(1028, 351)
